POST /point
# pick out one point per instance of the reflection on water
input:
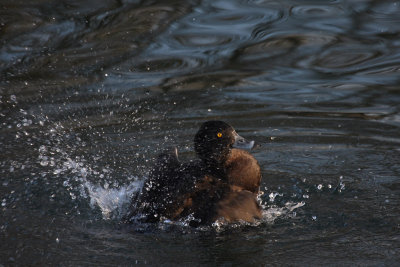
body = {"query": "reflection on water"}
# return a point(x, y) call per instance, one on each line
point(91, 91)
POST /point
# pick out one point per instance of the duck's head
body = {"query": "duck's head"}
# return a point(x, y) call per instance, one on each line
point(215, 139)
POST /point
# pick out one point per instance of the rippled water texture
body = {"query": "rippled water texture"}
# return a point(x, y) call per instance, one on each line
point(91, 91)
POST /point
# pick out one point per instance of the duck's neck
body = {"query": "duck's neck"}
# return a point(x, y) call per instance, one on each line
point(215, 167)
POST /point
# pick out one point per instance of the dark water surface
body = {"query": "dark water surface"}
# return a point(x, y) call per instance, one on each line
point(91, 91)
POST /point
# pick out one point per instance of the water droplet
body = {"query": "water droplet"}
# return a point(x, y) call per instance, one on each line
point(44, 163)
point(273, 195)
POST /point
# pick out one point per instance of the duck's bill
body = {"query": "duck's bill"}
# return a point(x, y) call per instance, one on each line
point(242, 143)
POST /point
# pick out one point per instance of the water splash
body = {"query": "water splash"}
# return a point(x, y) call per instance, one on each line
point(272, 213)
point(113, 198)
point(269, 215)
point(113, 202)
point(77, 173)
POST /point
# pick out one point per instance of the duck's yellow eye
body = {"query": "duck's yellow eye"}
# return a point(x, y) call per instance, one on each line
point(219, 134)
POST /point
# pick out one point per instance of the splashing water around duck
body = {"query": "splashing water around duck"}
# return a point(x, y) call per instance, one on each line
point(114, 199)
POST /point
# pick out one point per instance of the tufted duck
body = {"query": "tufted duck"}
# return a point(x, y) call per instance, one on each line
point(222, 184)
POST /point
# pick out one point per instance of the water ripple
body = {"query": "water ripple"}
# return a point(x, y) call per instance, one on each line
point(198, 39)
point(91, 91)
point(281, 44)
point(312, 11)
point(167, 64)
point(355, 59)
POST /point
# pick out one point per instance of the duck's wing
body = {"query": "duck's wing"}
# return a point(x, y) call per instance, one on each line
point(167, 159)
point(157, 190)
